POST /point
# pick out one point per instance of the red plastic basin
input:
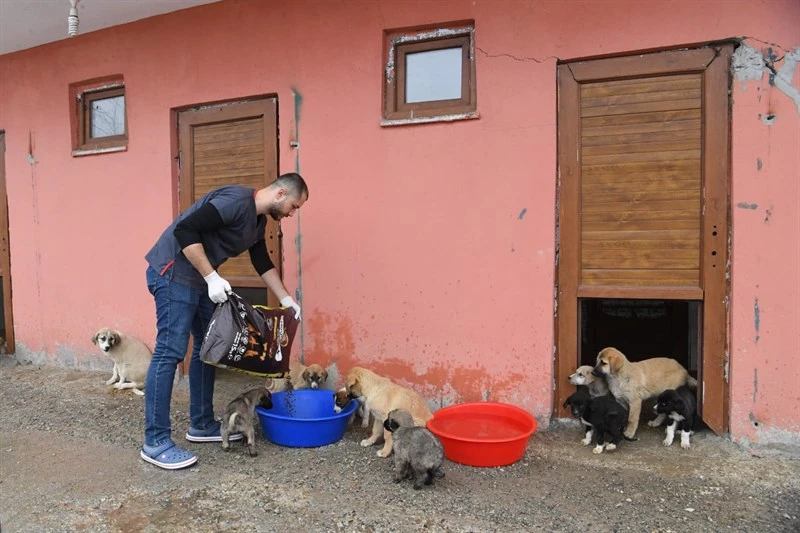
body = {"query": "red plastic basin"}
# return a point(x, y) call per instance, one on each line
point(483, 433)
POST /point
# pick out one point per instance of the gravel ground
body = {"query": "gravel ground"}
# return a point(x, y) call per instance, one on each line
point(69, 462)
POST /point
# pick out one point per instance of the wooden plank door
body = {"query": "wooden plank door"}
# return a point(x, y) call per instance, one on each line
point(231, 144)
point(643, 197)
point(5, 253)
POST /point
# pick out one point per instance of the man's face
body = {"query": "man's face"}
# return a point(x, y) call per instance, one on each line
point(285, 206)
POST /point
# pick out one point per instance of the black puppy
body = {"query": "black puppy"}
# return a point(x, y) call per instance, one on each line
point(599, 415)
point(680, 405)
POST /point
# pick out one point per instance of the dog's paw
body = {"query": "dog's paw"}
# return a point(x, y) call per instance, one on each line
point(365, 422)
point(587, 441)
point(382, 453)
point(654, 423)
point(597, 449)
point(110, 381)
point(397, 479)
point(667, 442)
point(685, 444)
point(611, 447)
point(253, 453)
point(629, 435)
point(367, 442)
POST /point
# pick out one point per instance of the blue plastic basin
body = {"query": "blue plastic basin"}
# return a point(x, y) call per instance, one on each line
point(304, 418)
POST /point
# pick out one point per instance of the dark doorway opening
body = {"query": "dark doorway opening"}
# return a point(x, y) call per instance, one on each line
point(641, 329)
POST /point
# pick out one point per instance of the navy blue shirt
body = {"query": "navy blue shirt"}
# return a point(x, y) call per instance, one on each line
point(242, 228)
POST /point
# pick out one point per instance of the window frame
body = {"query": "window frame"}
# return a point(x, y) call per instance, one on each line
point(398, 44)
point(83, 95)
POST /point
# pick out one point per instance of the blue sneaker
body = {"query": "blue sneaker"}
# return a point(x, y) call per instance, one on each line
point(211, 434)
point(168, 456)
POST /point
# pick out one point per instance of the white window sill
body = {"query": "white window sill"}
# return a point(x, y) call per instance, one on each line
point(425, 120)
point(109, 150)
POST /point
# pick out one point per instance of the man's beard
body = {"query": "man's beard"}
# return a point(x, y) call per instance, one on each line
point(275, 213)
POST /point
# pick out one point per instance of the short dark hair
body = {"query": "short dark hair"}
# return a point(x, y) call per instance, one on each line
point(294, 182)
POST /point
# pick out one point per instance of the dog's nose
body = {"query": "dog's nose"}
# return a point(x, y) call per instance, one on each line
point(596, 373)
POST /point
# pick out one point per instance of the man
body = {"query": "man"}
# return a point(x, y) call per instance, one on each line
point(182, 277)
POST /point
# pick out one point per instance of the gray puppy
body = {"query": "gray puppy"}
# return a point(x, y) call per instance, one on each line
point(240, 415)
point(417, 451)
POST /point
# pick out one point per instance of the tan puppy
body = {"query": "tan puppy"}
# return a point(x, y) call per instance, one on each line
point(300, 377)
point(131, 359)
point(635, 382)
point(583, 376)
point(381, 396)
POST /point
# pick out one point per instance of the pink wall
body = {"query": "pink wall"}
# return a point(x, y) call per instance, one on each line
point(417, 258)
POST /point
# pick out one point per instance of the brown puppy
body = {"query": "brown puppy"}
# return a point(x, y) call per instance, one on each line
point(240, 415)
point(300, 377)
point(635, 382)
point(381, 396)
point(341, 398)
point(131, 359)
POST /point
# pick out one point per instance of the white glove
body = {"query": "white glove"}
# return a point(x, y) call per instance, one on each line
point(218, 288)
point(288, 301)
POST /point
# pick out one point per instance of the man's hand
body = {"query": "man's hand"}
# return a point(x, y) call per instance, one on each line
point(218, 288)
point(288, 301)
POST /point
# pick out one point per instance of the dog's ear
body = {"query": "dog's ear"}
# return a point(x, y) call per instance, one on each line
point(614, 361)
point(565, 404)
point(94, 339)
point(306, 375)
point(324, 375)
point(115, 338)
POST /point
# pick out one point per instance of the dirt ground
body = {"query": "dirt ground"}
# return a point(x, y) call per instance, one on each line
point(69, 462)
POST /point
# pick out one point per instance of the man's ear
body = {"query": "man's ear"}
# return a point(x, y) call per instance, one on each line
point(281, 194)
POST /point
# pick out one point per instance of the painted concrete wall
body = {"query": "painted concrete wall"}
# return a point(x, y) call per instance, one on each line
point(427, 252)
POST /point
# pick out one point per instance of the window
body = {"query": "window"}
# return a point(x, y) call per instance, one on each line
point(429, 75)
point(100, 122)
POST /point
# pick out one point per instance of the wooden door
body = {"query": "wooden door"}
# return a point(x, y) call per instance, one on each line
point(231, 144)
point(5, 253)
point(643, 198)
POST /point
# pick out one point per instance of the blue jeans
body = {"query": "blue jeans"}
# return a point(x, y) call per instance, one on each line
point(180, 310)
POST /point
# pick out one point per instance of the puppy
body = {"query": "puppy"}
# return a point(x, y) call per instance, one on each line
point(680, 405)
point(417, 451)
point(341, 399)
point(599, 416)
point(300, 377)
point(131, 359)
point(635, 382)
point(381, 396)
point(240, 416)
point(583, 376)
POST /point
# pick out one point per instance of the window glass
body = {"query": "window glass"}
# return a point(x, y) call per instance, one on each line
point(108, 117)
point(433, 75)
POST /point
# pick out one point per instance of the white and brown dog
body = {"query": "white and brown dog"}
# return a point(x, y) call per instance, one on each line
point(131, 359)
point(300, 377)
point(597, 386)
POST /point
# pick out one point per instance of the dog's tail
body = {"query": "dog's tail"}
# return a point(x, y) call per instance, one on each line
point(232, 419)
point(692, 382)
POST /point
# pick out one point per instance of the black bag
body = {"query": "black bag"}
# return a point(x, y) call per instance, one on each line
point(252, 339)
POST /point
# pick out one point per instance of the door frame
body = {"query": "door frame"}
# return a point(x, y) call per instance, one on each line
point(713, 63)
point(183, 189)
point(5, 251)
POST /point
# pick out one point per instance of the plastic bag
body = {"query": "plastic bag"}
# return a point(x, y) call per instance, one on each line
point(252, 339)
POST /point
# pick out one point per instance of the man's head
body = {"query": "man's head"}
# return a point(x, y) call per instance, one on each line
point(282, 197)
